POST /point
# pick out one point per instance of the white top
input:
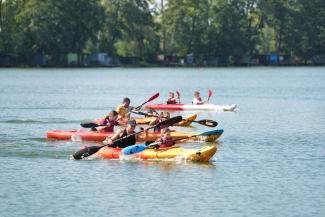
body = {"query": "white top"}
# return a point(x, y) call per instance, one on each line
point(197, 101)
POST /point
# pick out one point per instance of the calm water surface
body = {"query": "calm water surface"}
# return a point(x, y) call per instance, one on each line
point(270, 160)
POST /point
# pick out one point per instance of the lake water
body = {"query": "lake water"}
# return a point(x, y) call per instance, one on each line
point(270, 159)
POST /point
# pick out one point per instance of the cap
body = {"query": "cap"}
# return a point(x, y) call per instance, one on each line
point(132, 123)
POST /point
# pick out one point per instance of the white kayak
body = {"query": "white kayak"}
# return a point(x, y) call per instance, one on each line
point(180, 107)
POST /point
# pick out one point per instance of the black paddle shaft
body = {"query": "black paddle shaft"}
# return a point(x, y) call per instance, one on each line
point(87, 151)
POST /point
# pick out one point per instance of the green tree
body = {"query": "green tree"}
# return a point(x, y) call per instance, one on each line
point(8, 25)
point(129, 29)
point(186, 25)
point(309, 29)
point(56, 28)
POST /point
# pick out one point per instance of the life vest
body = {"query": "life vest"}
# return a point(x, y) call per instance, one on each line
point(166, 141)
point(111, 124)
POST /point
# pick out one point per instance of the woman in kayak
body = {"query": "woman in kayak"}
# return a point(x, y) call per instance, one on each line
point(109, 122)
point(128, 132)
point(197, 100)
point(172, 99)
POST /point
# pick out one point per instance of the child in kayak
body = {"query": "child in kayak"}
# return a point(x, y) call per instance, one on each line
point(165, 140)
point(128, 132)
point(197, 100)
point(151, 112)
point(162, 117)
point(172, 99)
point(109, 122)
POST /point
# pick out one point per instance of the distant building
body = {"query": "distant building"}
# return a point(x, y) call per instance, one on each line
point(72, 59)
point(217, 61)
point(7, 60)
point(130, 60)
point(273, 59)
point(39, 60)
point(170, 59)
point(319, 59)
point(100, 60)
point(190, 59)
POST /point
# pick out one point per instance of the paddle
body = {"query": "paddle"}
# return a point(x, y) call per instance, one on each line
point(209, 94)
point(90, 124)
point(133, 149)
point(149, 100)
point(178, 96)
point(87, 151)
point(205, 122)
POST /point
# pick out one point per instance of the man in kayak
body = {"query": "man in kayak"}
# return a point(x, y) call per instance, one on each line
point(128, 132)
point(172, 99)
point(109, 122)
point(197, 100)
point(124, 110)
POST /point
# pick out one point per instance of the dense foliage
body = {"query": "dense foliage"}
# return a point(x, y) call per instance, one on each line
point(145, 28)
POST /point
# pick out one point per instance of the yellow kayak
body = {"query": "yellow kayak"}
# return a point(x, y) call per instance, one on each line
point(203, 154)
point(184, 123)
point(180, 135)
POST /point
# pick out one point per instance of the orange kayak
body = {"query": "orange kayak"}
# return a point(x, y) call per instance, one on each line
point(101, 136)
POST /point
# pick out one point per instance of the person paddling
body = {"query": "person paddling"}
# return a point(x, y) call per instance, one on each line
point(124, 110)
point(128, 132)
point(197, 100)
point(109, 122)
point(165, 140)
point(172, 99)
point(162, 117)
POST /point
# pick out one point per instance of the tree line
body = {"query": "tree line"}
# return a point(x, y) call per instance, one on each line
point(146, 28)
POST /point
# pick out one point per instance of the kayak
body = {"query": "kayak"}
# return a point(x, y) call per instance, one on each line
point(180, 107)
point(101, 136)
point(146, 120)
point(203, 154)
point(184, 123)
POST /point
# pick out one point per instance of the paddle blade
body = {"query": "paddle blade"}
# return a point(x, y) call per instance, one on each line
point(208, 123)
point(150, 99)
point(133, 149)
point(88, 125)
point(86, 152)
point(139, 113)
point(211, 132)
point(209, 93)
point(153, 97)
point(170, 121)
point(178, 96)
